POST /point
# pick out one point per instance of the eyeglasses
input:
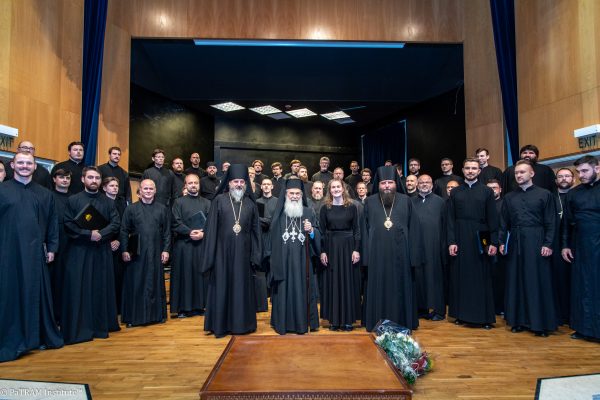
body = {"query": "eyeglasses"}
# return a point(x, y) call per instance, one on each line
point(26, 148)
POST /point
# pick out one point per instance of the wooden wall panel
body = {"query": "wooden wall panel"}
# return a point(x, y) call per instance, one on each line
point(558, 49)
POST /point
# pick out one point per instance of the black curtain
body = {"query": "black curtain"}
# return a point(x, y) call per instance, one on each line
point(94, 24)
point(503, 21)
point(387, 143)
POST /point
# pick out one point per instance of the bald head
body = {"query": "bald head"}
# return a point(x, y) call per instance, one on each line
point(147, 190)
point(424, 184)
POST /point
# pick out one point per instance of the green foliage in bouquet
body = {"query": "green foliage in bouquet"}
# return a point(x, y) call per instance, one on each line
point(405, 353)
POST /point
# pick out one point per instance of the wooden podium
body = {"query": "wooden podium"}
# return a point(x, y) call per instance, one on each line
point(304, 367)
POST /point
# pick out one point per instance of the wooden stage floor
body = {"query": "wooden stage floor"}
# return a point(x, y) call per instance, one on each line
point(172, 360)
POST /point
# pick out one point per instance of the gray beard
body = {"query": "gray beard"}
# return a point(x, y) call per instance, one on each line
point(317, 198)
point(388, 198)
point(293, 209)
point(237, 194)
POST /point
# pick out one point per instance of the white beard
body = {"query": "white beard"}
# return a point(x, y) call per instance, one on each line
point(293, 209)
point(237, 194)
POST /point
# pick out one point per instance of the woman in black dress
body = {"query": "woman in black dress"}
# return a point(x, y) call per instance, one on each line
point(339, 221)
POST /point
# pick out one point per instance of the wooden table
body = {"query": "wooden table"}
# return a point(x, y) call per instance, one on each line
point(304, 367)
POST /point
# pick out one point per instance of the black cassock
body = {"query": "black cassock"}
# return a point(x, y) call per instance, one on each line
point(260, 279)
point(561, 270)
point(27, 221)
point(229, 258)
point(188, 285)
point(57, 267)
point(581, 233)
point(340, 299)
point(439, 186)
point(530, 217)
point(288, 274)
point(164, 179)
point(471, 209)
point(490, 172)
point(89, 308)
point(544, 177)
point(118, 263)
point(429, 275)
point(144, 294)
point(208, 187)
point(391, 256)
point(76, 173)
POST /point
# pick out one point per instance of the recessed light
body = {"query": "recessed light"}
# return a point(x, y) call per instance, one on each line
point(227, 107)
point(301, 113)
point(335, 115)
point(264, 110)
point(343, 121)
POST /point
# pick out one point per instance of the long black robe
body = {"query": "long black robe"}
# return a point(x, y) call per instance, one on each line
point(471, 209)
point(76, 170)
point(260, 279)
point(530, 217)
point(544, 177)
point(57, 267)
point(144, 293)
point(196, 171)
point(439, 186)
point(324, 177)
point(118, 263)
point(188, 284)
point(582, 235)
point(490, 172)
point(229, 258)
point(429, 275)
point(178, 184)
point(107, 170)
point(391, 256)
point(288, 276)
point(27, 221)
point(164, 180)
point(340, 299)
point(208, 187)
point(499, 273)
point(89, 308)
point(561, 270)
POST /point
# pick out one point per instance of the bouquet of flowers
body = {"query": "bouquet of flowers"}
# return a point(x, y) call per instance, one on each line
point(404, 352)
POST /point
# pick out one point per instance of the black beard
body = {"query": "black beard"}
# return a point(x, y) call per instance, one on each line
point(388, 198)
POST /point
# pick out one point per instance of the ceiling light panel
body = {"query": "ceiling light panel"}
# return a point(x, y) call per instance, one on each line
point(301, 113)
point(227, 107)
point(265, 110)
point(335, 115)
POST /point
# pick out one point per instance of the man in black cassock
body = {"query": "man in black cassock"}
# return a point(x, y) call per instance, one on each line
point(439, 186)
point(488, 172)
point(529, 216)
point(266, 207)
point(393, 250)
point(41, 175)
point(163, 178)
point(62, 181)
point(411, 186)
point(195, 168)
point(258, 168)
point(89, 308)
point(27, 223)
point(112, 168)
point(144, 294)
point(354, 176)
point(544, 175)
point(581, 247)
point(324, 175)
point(188, 285)
point(561, 270)
point(75, 165)
point(499, 260)
point(232, 250)
point(292, 230)
point(471, 215)
point(178, 178)
point(209, 183)
point(430, 208)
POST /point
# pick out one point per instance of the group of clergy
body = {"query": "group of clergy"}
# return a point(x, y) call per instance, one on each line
point(366, 250)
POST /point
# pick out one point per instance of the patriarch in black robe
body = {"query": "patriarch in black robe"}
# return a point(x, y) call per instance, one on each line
point(144, 294)
point(394, 249)
point(294, 240)
point(188, 284)
point(89, 308)
point(28, 223)
point(430, 210)
point(472, 238)
point(529, 216)
point(232, 250)
point(581, 247)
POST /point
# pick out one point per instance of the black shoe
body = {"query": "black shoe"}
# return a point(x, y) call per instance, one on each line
point(487, 326)
point(182, 315)
point(334, 328)
point(437, 317)
point(541, 333)
point(458, 322)
point(577, 335)
point(516, 329)
point(348, 328)
point(128, 326)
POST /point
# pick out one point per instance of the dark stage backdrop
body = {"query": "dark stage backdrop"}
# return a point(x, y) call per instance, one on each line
point(156, 121)
point(434, 129)
point(239, 141)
